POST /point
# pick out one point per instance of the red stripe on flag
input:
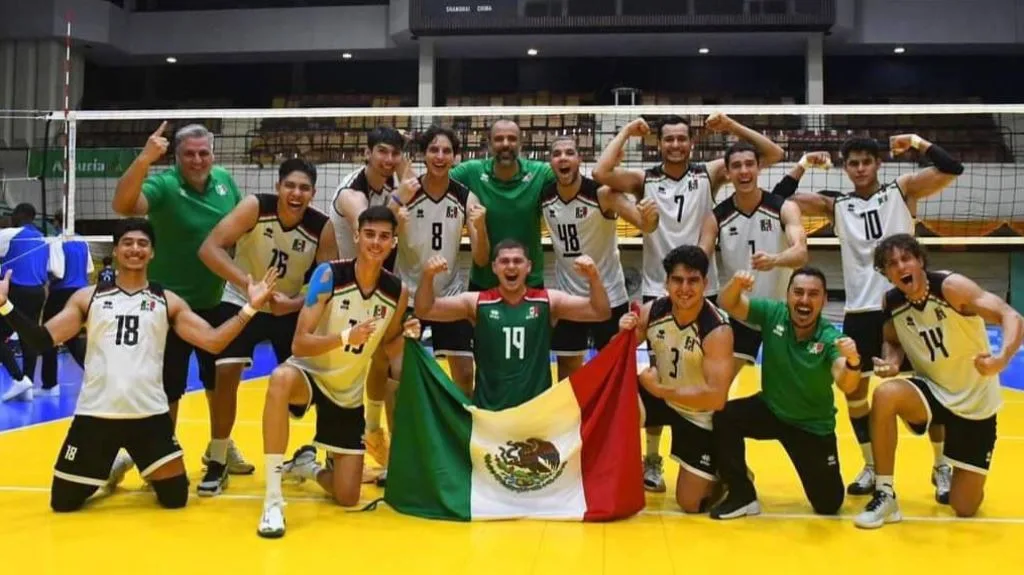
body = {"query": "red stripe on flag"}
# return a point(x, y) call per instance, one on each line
point(606, 390)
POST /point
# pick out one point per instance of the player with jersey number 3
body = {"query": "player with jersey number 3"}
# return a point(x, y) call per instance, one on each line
point(123, 403)
point(861, 219)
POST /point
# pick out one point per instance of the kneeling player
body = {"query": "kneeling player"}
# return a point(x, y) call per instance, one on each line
point(122, 402)
point(938, 320)
point(691, 371)
point(353, 309)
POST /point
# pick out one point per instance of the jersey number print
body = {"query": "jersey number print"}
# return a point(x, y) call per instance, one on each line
point(570, 237)
point(279, 260)
point(127, 330)
point(515, 337)
point(932, 338)
point(872, 224)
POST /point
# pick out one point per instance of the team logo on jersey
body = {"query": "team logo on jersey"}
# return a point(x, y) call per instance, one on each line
point(420, 213)
point(148, 305)
point(939, 314)
point(766, 225)
point(299, 245)
point(522, 466)
point(690, 343)
point(533, 313)
point(451, 212)
point(910, 321)
point(495, 314)
point(552, 212)
point(660, 334)
point(581, 212)
point(268, 232)
point(779, 329)
point(693, 184)
point(733, 231)
point(816, 347)
point(344, 304)
point(380, 312)
point(221, 190)
point(108, 304)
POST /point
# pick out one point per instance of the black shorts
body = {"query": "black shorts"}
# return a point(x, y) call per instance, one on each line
point(277, 329)
point(969, 442)
point(573, 338)
point(746, 340)
point(451, 337)
point(338, 429)
point(692, 445)
point(865, 329)
point(176, 360)
point(92, 444)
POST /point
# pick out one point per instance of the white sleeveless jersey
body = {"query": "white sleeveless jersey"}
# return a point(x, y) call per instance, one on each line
point(341, 372)
point(860, 224)
point(579, 227)
point(434, 228)
point(343, 232)
point(682, 205)
point(124, 354)
point(740, 235)
point(941, 344)
point(270, 245)
point(679, 351)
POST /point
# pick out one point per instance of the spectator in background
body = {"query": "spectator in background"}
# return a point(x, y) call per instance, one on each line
point(107, 275)
point(70, 272)
point(26, 256)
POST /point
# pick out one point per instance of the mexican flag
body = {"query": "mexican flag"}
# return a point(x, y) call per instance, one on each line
point(572, 453)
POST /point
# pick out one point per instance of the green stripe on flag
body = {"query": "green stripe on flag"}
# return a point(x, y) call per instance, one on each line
point(430, 471)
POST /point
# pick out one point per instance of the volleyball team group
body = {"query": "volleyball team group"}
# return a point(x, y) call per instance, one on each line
point(202, 267)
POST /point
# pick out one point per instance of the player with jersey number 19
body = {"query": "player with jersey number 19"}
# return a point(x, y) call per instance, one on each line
point(354, 311)
point(123, 402)
point(512, 323)
point(862, 219)
point(937, 319)
point(280, 231)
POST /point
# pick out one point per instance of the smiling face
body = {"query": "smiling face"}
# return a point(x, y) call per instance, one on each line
point(805, 298)
point(565, 161)
point(133, 251)
point(907, 272)
point(294, 193)
point(195, 160)
point(439, 157)
point(675, 144)
point(375, 240)
point(742, 171)
point(512, 267)
point(505, 142)
point(383, 158)
point(685, 287)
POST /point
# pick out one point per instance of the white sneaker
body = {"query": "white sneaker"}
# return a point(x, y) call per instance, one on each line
point(864, 483)
point(21, 389)
point(942, 479)
point(122, 465)
point(272, 521)
point(237, 465)
point(302, 465)
point(654, 474)
point(52, 392)
point(880, 510)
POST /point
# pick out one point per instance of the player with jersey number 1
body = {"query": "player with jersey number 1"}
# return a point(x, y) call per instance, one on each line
point(432, 211)
point(280, 231)
point(123, 403)
point(862, 219)
point(937, 320)
point(581, 215)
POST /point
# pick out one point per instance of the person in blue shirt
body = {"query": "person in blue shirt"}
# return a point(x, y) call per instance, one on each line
point(107, 275)
point(25, 251)
point(70, 273)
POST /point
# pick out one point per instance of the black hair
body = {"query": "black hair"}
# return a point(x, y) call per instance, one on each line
point(860, 144)
point(690, 257)
point(107, 260)
point(508, 244)
point(905, 242)
point(378, 214)
point(23, 213)
point(126, 225)
point(739, 148)
point(296, 165)
point(385, 135)
point(672, 120)
point(434, 131)
point(808, 271)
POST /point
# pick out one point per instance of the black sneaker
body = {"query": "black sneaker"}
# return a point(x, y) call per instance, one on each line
point(214, 480)
point(735, 506)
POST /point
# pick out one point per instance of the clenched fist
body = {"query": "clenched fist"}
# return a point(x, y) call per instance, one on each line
point(435, 265)
point(744, 279)
point(585, 266)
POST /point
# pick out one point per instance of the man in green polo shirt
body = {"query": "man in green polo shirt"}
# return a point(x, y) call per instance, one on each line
point(509, 187)
point(803, 355)
point(184, 203)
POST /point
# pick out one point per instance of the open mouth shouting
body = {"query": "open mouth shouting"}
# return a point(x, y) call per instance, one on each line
point(803, 312)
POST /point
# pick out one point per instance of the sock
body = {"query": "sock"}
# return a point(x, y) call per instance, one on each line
point(219, 450)
point(374, 409)
point(309, 472)
point(653, 442)
point(884, 483)
point(274, 461)
point(937, 453)
point(869, 458)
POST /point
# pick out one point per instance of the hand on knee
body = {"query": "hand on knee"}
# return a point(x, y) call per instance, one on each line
point(172, 493)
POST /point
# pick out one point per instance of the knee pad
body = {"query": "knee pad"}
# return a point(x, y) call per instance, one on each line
point(67, 496)
point(172, 493)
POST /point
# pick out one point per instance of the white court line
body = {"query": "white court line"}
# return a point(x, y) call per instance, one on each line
point(651, 512)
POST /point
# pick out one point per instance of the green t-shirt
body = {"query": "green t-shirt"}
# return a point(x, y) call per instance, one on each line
point(513, 210)
point(796, 376)
point(182, 218)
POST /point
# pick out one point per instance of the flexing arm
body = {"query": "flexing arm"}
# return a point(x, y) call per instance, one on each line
point(476, 224)
point(718, 375)
point(969, 299)
point(846, 367)
point(732, 299)
point(214, 251)
point(768, 151)
point(454, 308)
point(195, 330)
point(929, 181)
point(578, 308)
point(61, 327)
point(606, 171)
point(643, 214)
point(814, 204)
point(128, 197)
point(708, 234)
point(796, 254)
point(350, 204)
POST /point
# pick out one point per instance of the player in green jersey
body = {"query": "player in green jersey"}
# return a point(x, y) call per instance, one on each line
point(512, 323)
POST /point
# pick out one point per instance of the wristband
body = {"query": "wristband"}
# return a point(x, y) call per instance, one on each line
point(7, 308)
point(344, 336)
point(397, 198)
point(916, 141)
point(805, 163)
point(248, 311)
point(852, 367)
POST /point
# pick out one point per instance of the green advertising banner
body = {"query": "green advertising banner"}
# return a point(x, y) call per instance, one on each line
point(92, 162)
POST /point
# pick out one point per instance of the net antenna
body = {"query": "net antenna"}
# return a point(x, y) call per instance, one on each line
point(69, 163)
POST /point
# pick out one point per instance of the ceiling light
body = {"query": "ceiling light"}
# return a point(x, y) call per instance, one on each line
point(899, 50)
point(531, 52)
point(703, 51)
point(346, 55)
point(172, 60)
